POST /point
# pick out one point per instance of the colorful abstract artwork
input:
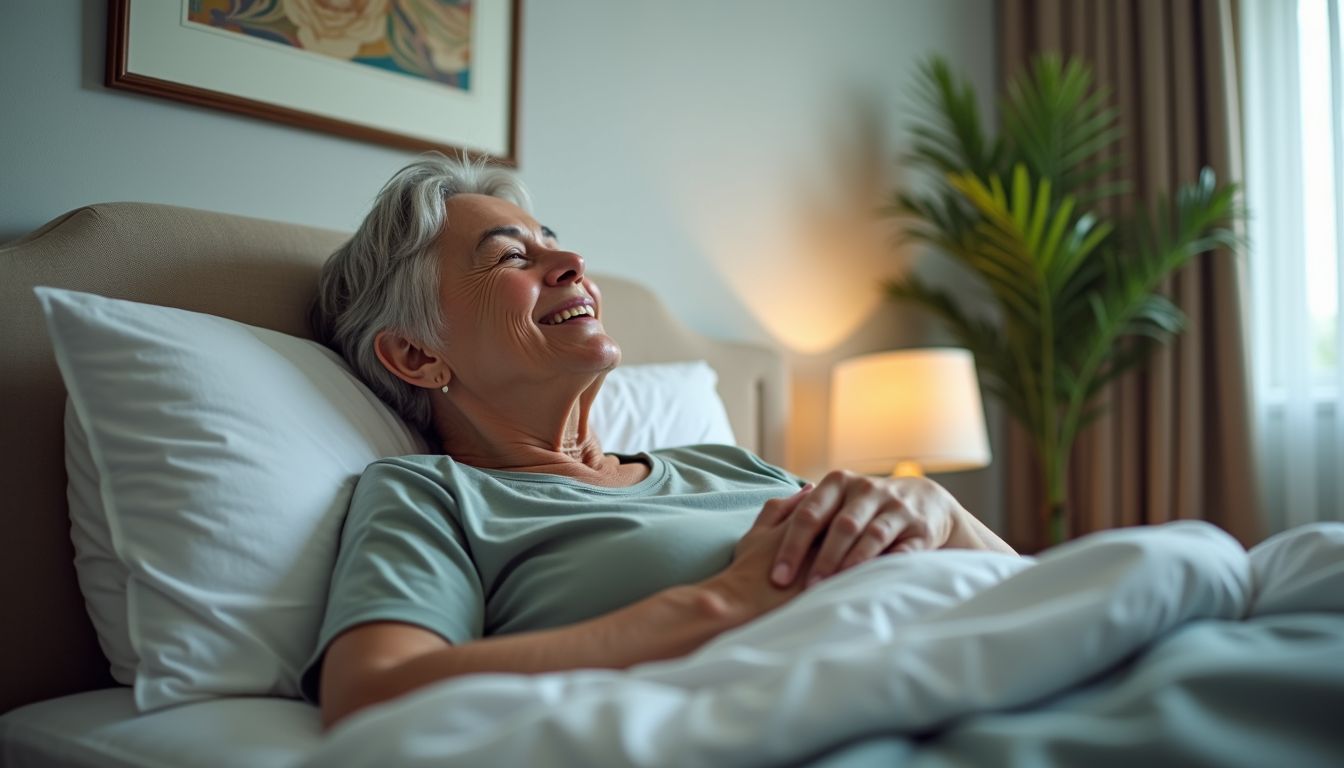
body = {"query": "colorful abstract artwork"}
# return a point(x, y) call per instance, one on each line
point(428, 39)
point(417, 74)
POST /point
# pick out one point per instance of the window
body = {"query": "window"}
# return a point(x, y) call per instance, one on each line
point(1293, 78)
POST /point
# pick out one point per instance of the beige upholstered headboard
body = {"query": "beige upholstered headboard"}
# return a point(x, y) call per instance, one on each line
point(250, 270)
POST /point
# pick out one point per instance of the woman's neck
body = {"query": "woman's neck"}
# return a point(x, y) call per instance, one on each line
point(539, 432)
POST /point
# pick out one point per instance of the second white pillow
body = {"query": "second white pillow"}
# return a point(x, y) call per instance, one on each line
point(661, 405)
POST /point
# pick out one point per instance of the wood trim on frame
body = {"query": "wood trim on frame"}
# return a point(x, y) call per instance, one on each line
point(118, 37)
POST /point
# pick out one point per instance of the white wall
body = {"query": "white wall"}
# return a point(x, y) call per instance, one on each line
point(728, 153)
point(68, 141)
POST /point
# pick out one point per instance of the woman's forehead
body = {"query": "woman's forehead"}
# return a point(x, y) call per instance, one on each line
point(473, 214)
point(469, 220)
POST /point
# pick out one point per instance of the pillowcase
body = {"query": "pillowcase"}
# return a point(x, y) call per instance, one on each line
point(662, 405)
point(102, 577)
point(224, 457)
point(210, 464)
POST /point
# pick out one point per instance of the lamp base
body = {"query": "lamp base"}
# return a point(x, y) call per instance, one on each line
point(907, 469)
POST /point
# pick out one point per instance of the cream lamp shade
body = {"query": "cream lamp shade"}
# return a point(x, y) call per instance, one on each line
point(907, 412)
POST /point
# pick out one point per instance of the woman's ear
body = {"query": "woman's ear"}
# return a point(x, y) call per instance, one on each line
point(410, 362)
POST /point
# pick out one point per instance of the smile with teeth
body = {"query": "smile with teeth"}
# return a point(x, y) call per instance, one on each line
point(563, 315)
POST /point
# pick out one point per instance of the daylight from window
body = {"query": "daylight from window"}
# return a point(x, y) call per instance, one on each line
point(1319, 184)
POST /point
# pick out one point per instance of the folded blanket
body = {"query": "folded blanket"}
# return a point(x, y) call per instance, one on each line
point(907, 644)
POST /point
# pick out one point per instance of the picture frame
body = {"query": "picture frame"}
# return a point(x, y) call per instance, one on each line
point(456, 94)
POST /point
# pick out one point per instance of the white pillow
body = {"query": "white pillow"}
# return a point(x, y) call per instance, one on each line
point(187, 436)
point(642, 407)
point(102, 577)
point(225, 456)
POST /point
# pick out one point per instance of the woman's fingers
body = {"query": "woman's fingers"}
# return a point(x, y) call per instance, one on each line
point(891, 529)
point(775, 510)
point(810, 516)
point(856, 522)
point(894, 529)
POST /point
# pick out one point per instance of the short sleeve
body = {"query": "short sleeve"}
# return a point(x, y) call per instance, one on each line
point(403, 557)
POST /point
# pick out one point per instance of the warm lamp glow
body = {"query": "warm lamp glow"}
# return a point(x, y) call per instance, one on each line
point(910, 409)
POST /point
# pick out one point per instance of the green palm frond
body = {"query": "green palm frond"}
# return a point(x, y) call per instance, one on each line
point(1130, 314)
point(951, 138)
point(1060, 126)
point(935, 220)
point(1028, 245)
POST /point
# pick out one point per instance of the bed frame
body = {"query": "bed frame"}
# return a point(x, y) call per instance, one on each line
point(250, 270)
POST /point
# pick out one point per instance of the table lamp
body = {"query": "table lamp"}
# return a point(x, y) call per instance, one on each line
point(908, 412)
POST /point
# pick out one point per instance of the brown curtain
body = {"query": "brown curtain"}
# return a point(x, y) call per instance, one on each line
point(1176, 441)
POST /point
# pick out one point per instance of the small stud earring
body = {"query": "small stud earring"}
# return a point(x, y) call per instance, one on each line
point(444, 389)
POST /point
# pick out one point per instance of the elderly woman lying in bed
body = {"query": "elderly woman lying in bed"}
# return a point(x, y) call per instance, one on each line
point(520, 546)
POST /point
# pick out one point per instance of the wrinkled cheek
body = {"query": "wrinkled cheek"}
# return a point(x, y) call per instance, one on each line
point(524, 335)
point(480, 297)
point(522, 331)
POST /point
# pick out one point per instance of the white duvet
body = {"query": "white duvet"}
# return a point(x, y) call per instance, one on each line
point(901, 645)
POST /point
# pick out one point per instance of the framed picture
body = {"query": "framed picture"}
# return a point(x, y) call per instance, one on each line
point(418, 74)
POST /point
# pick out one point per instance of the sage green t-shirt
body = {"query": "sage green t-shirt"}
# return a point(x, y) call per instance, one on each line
point(467, 552)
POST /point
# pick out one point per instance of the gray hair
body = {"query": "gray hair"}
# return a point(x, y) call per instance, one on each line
point(386, 277)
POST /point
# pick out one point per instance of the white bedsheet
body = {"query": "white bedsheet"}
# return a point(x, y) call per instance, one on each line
point(101, 729)
point(901, 645)
point(1158, 646)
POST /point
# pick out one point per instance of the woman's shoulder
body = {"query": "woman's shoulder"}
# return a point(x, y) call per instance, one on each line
point(721, 456)
point(411, 464)
point(414, 470)
point(415, 485)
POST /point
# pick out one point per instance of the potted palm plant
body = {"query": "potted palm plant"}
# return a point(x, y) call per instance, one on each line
point(1076, 295)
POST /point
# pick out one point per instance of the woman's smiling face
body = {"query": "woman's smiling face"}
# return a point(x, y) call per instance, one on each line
point(516, 306)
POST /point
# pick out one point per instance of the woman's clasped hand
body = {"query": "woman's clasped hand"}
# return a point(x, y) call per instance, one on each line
point(849, 518)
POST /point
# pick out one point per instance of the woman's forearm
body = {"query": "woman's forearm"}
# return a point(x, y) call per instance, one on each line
point(970, 533)
point(668, 624)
